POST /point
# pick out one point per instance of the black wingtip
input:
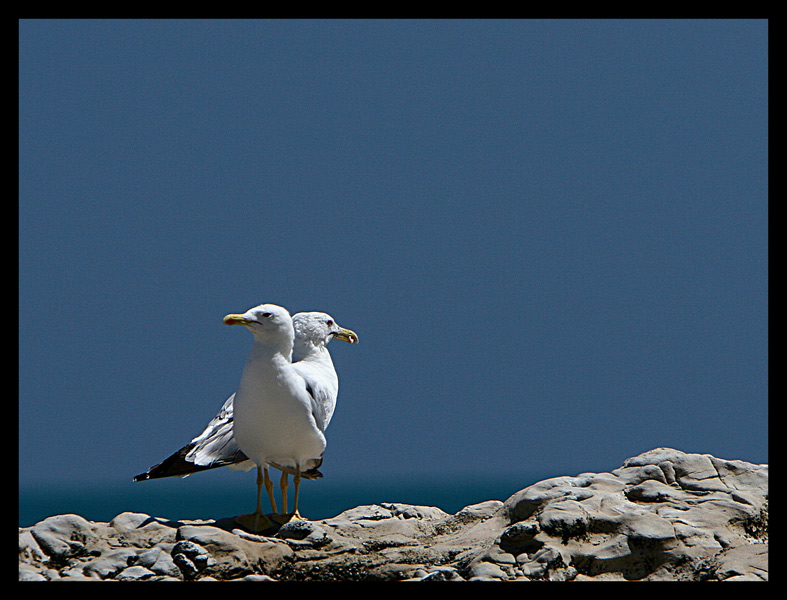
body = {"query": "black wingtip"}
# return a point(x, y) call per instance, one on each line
point(177, 465)
point(171, 466)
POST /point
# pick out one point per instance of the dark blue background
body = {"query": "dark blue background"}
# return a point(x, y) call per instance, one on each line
point(550, 236)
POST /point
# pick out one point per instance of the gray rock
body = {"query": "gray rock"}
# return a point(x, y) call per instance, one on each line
point(408, 511)
point(109, 564)
point(129, 522)
point(159, 561)
point(544, 562)
point(255, 578)
point(486, 571)
point(520, 538)
point(192, 559)
point(564, 518)
point(652, 490)
point(63, 536)
point(481, 511)
point(303, 534)
point(29, 550)
point(135, 573)
point(186, 566)
point(662, 515)
point(672, 512)
point(742, 563)
point(235, 556)
point(442, 574)
point(29, 573)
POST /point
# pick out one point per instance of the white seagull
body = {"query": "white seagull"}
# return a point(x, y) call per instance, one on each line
point(273, 407)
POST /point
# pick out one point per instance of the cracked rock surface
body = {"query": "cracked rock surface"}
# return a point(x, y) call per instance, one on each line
point(663, 515)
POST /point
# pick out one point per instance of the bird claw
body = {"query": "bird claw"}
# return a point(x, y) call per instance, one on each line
point(284, 518)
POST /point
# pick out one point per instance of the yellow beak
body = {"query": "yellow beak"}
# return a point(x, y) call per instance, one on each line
point(346, 336)
point(236, 320)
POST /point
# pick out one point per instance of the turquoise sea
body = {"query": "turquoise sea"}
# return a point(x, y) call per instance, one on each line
point(202, 497)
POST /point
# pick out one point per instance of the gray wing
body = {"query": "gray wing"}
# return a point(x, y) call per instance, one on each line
point(217, 443)
point(318, 403)
point(214, 447)
point(322, 397)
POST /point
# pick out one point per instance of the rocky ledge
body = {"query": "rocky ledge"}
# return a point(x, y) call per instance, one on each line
point(663, 515)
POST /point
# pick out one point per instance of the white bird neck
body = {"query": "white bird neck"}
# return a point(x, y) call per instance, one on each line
point(313, 353)
point(263, 356)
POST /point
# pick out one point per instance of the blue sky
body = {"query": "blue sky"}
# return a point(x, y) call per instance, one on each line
point(550, 236)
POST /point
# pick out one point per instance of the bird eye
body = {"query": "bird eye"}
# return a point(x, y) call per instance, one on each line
point(266, 315)
point(329, 323)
